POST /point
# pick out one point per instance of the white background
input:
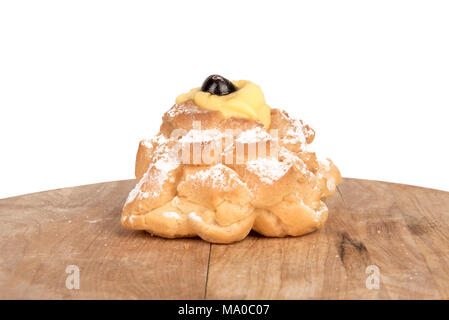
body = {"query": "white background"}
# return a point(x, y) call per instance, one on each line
point(81, 82)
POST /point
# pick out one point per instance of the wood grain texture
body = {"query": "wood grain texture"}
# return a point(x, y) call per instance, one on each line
point(403, 230)
point(43, 233)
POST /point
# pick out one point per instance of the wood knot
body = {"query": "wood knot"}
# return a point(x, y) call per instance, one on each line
point(349, 247)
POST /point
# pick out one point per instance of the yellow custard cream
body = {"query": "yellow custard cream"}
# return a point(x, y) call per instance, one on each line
point(247, 102)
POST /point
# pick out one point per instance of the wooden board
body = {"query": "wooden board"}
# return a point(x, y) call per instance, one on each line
point(400, 231)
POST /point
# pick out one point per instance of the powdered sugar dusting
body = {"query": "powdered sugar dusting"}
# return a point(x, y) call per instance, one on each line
point(216, 177)
point(136, 191)
point(325, 164)
point(195, 216)
point(178, 109)
point(171, 214)
point(323, 208)
point(297, 133)
point(253, 135)
point(158, 140)
point(165, 161)
point(268, 170)
point(330, 184)
point(201, 136)
point(292, 159)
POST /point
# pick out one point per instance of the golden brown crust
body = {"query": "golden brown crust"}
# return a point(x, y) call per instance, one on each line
point(278, 194)
point(184, 115)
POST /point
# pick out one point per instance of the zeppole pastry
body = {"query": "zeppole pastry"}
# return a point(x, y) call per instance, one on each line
point(224, 163)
